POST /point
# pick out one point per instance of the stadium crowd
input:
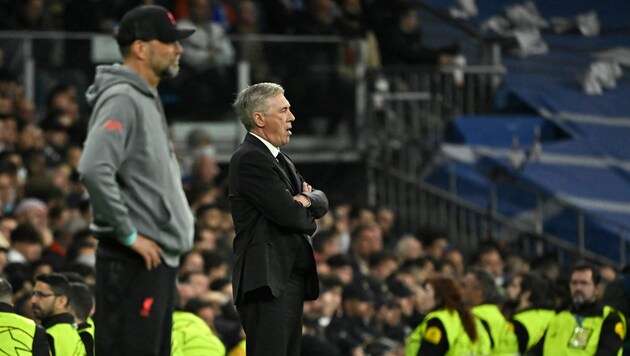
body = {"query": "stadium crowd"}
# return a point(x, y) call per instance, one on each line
point(378, 285)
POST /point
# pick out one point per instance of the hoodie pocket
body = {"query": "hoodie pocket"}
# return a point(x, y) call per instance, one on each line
point(164, 214)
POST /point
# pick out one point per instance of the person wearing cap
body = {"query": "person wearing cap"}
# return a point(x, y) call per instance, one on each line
point(129, 168)
point(356, 328)
point(274, 211)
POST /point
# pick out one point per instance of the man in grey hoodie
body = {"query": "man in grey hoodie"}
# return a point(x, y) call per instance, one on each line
point(140, 213)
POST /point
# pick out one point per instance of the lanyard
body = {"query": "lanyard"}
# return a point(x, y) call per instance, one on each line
point(578, 319)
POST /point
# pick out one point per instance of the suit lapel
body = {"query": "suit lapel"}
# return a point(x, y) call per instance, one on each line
point(290, 178)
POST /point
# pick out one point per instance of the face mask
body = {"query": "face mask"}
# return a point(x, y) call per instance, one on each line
point(88, 260)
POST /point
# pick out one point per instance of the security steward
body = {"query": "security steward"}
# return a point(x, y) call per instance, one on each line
point(588, 327)
point(534, 309)
point(482, 295)
point(51, 303)
point(26, 336)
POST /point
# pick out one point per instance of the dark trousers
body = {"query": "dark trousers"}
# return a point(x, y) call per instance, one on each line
point(134, 306)
point(273, 326)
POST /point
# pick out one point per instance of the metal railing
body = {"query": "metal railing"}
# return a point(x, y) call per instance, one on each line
point(419, 205)
point(409, 110)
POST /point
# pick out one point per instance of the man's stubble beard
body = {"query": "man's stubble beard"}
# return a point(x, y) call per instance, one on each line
point(170, 71)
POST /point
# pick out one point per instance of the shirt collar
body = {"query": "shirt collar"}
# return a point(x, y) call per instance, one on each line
point(273, 149)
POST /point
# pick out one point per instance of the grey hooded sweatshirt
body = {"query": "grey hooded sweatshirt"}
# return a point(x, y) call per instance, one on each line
point(129, 167)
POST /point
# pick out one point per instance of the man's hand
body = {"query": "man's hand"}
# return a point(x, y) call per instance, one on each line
point(303, 199)
point(149, 250)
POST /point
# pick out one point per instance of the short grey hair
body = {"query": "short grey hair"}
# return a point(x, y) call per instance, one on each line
point(255, 98)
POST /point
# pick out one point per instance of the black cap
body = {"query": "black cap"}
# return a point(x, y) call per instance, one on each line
point(149, 22)
point(356, 291)
point(399, 289)
point(339, 260)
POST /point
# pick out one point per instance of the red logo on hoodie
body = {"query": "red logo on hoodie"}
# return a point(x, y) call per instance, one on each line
point(170, 16)
point(113, 125)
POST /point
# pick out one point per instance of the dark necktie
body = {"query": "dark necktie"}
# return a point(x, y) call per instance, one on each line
point(284, 163)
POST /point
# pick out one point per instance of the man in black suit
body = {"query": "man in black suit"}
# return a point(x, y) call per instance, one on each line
point(274, 212)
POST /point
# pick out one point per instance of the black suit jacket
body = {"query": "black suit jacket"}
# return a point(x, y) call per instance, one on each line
point(271, 227)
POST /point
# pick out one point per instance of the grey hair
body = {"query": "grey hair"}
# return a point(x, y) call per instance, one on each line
point(254, 98)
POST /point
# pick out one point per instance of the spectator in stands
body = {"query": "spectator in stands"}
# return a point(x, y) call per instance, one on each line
point(386, 219)
point(409, 248)
point(31, 138)
point(450, 327)
point(206, 239)
point(35, 212)
point(527, 299)
point(208, 57)
point(489, 258)
point(401, 43)
point(608, 275)
point(30, 336)
point(57, 138)
point(587, 325)
point(482, 295)
point(455, 258)
point(210, 216)
point(4, 254)
point(356, 327)
point(404, 295)
point(40, 15)
point(8, 188)
point(360, 47)
point(515, 264)
point(7, 225)
point(278, 14)
point(198, 281)
point(62, 106)
point(382, 265)
point(389, 319)
point(325, 245)
point(51, 299)
point(216, 265)
point(417, 271)
point(316, 317)
point(227, 323)
point(547, 266)
point(26, 244)
point(366, 240)
point(381, 14)
point(250, 49)
point(341, 268)
point(321, 61)
point(191, 261)
point(8, 133)
point(434, 243)
point(82, 248)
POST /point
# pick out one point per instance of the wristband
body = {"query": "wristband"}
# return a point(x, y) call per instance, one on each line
point(129, 240)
